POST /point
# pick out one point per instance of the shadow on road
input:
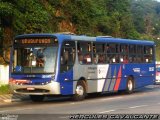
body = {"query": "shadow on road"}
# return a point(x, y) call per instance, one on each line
point(68, 99)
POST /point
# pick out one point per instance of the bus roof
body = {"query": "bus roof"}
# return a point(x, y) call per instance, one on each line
point(62, 37)
point(125, 41)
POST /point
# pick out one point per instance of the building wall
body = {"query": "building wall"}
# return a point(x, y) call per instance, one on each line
point(4, 74)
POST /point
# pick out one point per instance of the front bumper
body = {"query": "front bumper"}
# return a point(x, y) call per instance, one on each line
point(52, 88)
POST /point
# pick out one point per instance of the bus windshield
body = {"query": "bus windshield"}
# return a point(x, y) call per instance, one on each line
point(37, 59)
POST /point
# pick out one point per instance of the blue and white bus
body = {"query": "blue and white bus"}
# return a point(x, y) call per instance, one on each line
point(64, 64)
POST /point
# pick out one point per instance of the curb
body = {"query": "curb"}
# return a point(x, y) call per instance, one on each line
point(8, 98)
point(12, 100)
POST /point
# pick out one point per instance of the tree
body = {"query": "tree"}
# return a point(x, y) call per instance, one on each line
point(144, 15)
point(136, 19)
point(120, 20)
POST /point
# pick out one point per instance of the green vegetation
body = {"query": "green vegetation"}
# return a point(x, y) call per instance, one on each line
point(134, 19)
point(4, 89)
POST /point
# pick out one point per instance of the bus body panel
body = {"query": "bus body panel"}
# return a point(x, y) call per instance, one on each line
point(88, 73)
point(99, 77)
point(66, 82)
point(142, 75)
point(52, 88)
point(40, 84)
point(113, 77)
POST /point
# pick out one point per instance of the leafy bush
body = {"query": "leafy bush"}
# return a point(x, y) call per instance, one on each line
point(4, 89)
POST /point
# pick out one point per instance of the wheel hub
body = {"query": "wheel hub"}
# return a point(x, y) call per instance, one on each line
point(130, 85)
point(79, 90)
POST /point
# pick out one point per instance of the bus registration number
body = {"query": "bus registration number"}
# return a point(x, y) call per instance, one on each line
point(30, 88)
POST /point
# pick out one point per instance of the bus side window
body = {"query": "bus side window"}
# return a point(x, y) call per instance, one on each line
point(99, 53)
point(148, 54)
point(124, 59)
point(84, 52)
point(139, 53)
point(132, 54)
point(113, 53)
point(108, 53)
point(124, 48)
point(67, 56)
point(124, 53)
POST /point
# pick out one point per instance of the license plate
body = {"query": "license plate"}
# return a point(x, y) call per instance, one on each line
point(30, 88)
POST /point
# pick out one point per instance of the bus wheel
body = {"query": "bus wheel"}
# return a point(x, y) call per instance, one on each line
point(37, 98)
point(130, 85)
point(80, 91)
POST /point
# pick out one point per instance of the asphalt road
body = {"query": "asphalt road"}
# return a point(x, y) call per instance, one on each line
point(142, 101)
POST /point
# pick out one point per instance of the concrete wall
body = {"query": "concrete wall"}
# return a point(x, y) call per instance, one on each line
point(4, 74)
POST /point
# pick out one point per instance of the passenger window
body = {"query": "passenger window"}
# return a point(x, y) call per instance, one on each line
point(124, 53)
point(84, 52)
point(139, 53)
point(112, 53)
point(67, 55)
point(148, 54)
point(99, 53)
point(132, 54)
point(132, 49)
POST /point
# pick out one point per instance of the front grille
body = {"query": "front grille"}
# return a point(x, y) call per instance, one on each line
point(36, 90)
point(35, 83)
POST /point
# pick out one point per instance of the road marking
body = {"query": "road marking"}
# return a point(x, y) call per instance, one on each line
point(72, 103)
point(111, 98)
point(106, 111)
point(64, 117)
point(138, 106)
point(15, 110)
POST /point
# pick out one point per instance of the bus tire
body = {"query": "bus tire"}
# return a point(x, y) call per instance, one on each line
point(80, 91)
point(37, 98)
point(130, 85)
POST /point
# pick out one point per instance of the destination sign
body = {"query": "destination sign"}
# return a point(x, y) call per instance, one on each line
point(36, 41)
